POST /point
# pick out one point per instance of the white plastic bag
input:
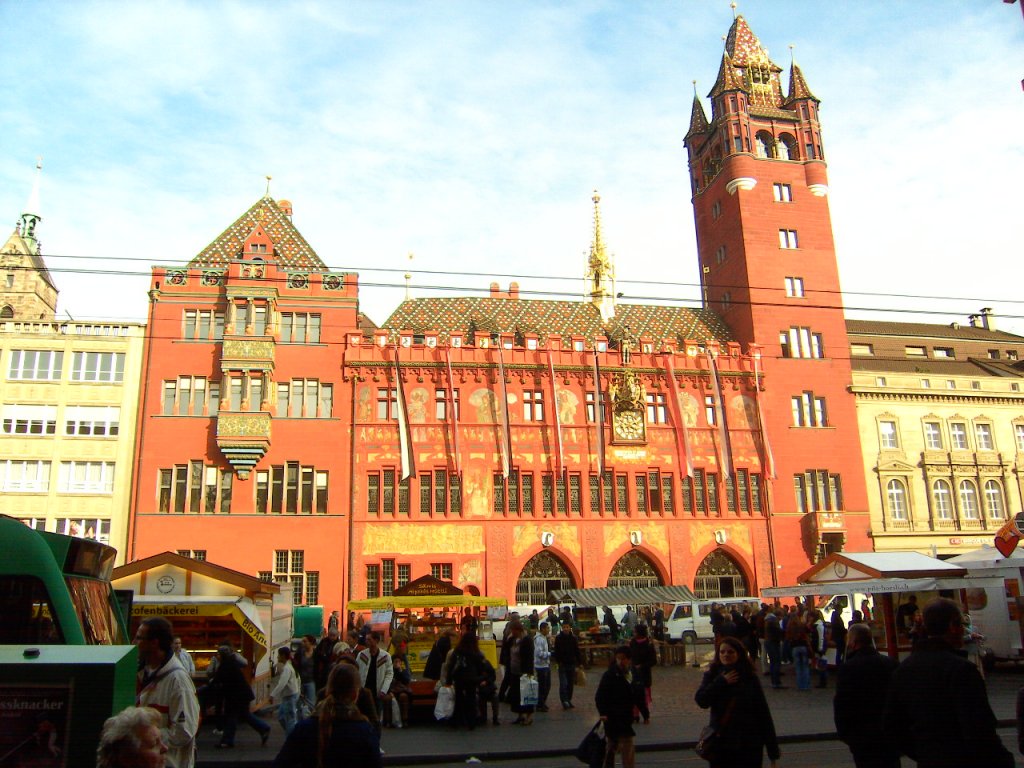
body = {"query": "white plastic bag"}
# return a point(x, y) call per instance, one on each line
point(445, 705)
point(529, 691)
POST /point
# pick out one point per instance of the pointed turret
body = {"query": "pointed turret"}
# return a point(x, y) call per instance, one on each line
point(729, 78)
point(600, 275)
point(698, 120)
point(798, 86)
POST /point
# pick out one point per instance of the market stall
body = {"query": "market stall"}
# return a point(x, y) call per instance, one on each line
point(209, 606)
point(887, 580)
point(998, 614)
point(423, 610)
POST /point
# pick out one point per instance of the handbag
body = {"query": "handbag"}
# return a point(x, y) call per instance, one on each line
point(709, 742)
point(581, 677)
point(529, 691)
point(445, 705)
point(593, 748)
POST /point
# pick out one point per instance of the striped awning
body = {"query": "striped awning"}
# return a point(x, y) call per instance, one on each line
point(595, 596)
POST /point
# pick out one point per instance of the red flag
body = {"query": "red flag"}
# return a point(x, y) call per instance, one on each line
point(1007, 538)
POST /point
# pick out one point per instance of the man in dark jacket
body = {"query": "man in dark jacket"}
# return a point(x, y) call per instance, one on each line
point(615, 706)
point(937, 711)
point(862, 684)
point(567, 654)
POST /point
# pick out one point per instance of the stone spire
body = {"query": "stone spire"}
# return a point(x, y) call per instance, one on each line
point(600, 275)
point(29, 292)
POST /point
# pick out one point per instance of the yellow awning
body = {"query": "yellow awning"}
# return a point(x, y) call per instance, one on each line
point(424, 601)
point(243, 613)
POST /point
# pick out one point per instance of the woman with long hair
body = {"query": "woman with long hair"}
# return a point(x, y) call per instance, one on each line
point(517, 658)
point(462, 670)
point(739, 710)
point(338, 734)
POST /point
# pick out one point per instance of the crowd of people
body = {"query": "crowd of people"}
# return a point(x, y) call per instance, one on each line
point(333, 696)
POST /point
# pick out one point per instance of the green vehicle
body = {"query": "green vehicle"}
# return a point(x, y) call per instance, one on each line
point(66, 663)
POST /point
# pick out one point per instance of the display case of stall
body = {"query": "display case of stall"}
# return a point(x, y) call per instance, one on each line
point(209, 606)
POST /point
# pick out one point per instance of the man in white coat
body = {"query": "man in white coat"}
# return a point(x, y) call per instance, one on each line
point(376, 671)
point(167, 687)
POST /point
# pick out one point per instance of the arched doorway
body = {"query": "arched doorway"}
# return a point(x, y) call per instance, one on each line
point(634, 570)
point(719, 576)
point(541, 575)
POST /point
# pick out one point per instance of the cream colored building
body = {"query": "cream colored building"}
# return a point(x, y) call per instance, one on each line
point(941, 417)
point(69, 395)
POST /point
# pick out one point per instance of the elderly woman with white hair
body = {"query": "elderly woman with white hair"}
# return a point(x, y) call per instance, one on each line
point(131, 739)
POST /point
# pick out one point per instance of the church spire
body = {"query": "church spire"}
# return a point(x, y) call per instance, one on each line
point(600, 275)
point(31, 215)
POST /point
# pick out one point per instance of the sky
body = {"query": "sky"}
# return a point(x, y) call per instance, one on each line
point(472, 135)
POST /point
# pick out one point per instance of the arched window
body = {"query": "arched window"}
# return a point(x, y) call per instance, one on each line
point(634, 570)
point(719, 576)
point(994, 498)
point(764, 144)
point(942, 495)
point(896, 493)
point(968, 500)
point(7, 312)
point(542, 575)
point(786, 147)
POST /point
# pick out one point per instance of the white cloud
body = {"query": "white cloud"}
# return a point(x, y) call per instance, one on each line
point(472, 134)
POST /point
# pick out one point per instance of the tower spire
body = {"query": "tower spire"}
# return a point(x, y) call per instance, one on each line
point(600, 275)
point(31, 215)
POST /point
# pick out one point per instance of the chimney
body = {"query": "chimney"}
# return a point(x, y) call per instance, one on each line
point(495, 291)
point(286, 207)
point(986, 317)
point(513, 290)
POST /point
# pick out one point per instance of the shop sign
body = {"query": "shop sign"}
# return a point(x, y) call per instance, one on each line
point(195, 610)
point(34, 722)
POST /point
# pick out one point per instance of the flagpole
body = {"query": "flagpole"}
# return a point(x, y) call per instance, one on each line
point(453, 418)
point(506, 436)
point(404, 435)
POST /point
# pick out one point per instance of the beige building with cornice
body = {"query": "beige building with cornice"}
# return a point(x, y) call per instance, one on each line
point(941, 416)
point(69, 395)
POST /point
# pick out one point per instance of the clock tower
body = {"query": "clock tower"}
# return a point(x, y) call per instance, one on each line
point(768, 267)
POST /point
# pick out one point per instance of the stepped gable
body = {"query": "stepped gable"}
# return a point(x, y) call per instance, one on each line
point(561, 318)
point(291, 251)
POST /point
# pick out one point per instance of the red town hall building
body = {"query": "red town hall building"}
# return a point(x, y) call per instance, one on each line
point(517, 446)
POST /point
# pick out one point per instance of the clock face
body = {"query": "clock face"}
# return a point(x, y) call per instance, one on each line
point(840, 570)
point(629, 425)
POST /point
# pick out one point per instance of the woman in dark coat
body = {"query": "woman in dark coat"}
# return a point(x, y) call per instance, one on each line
point(517, 657)
point(237, 696)
point(463, 672)
point(739, 711)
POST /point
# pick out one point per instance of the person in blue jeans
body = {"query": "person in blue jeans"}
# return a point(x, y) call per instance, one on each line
point(542, 664)
point(800, 641)
point(567, 654)
point(286, 690)
point(773, 637)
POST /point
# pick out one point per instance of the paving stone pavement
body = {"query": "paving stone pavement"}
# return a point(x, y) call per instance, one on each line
point(675, 719)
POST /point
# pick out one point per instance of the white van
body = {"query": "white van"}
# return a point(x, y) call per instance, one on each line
point(691, 620)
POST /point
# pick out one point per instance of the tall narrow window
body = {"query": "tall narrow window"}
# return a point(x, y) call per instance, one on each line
point(795, 287)
point(787, 239)
point(783, 193)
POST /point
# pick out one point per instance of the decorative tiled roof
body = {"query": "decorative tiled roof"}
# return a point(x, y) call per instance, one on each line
point(291, 251)
point(742, 44)
point(563, 318)
point(798, 88)
point(729, 78)
point(930, 366)
point(698, 120)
